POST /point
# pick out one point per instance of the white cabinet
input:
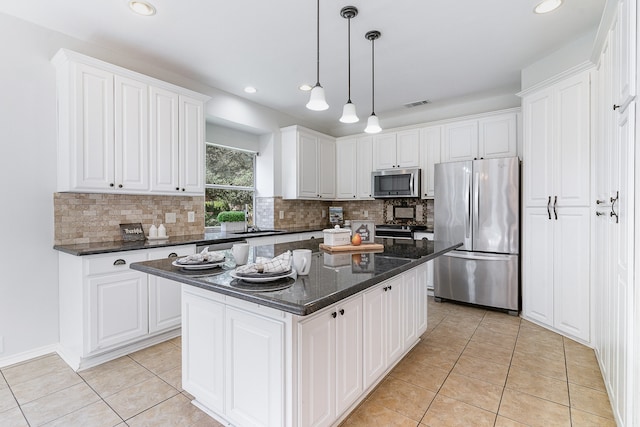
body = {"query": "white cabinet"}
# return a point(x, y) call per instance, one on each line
point(383, 326)
point(397, 150)
point(123, 132)
point(624, 50)
point(354, 163)
point(556, 240)
point(330, 370)
point(430, 142)
point(177, 143)
point(308, 164)
point(422, 272)
point(107, 309)
point(164, 294)
point(484, 138)
point(346, 169)
point(364, 167)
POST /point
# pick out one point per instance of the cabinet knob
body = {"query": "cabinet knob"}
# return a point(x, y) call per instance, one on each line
point(334, 314)
point(183, 189)
point(342, 312)
point(389, 287)
point(386, 288)
point(600, 213)
point(111, 184)
point(119, 261)
point(173, 255)
point(177, 188)
point(615, 107)
point(119, 185)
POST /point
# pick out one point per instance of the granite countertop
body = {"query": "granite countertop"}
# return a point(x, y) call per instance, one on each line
point(333, 277)
point(81, 249)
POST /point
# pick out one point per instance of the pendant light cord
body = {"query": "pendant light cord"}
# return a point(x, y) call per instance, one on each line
point(318, 43)
point(349, 53)
point(373, 97)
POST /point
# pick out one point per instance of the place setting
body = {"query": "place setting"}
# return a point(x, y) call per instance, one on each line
point(202, 263)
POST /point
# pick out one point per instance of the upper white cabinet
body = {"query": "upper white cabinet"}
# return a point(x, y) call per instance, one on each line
point(396, 150)
point(308, 164)
point(119, 131)
point(556, 144)
point(353, 168)
point(488, 137)
point(430, 144)
point(624, 53)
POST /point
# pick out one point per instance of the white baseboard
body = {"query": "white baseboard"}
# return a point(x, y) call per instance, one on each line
point(31, 354)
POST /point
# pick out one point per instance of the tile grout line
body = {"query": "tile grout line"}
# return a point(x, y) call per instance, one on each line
point(15, 398)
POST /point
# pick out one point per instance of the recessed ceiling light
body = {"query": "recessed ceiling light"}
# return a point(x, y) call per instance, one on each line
point(305, 87)
point(142, 7)
point(546, 6)
point(250, 89)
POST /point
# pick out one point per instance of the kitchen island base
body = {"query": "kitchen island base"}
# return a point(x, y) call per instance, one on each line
point(251, 365)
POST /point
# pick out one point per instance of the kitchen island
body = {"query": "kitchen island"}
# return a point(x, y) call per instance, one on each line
point(305, 355)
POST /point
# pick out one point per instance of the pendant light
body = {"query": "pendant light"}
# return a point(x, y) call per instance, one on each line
point(373, 125)
point(349, 110)
point(317, 100)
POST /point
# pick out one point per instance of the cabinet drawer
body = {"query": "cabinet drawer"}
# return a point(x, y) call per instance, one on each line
point(171, 251)
point(114, 263)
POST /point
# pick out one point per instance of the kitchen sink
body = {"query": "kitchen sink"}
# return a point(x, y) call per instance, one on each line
point(258, 232)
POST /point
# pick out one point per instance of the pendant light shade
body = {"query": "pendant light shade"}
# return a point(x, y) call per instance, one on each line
point(373, 125)
point(349, 114)
point(317, 100)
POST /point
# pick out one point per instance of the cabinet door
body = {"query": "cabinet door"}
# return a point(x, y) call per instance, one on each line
point(538, 148)
point(430, 155)
point(131, 134)
point(164, 140)
point(346, 169)
point(408, 149)
point(538, 259)
point(410, 307)
point(601, 144)
point(421, 297)
point(364, 166)
point(203, 350)
point(254, 374)
point(497, 136)
point(308, 166)
point(395, 319)
point(460, 141)
point(384, 151)
point(191, 154)
point(117, 309)
point(317, 370)
point(571, 176)
point(348, 372)
point(93, 129)
point(375, 335)
point(624, 32)
point(327, 168)
point(571, 275)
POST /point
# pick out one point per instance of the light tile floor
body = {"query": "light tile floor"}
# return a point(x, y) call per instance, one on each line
point(473, 368)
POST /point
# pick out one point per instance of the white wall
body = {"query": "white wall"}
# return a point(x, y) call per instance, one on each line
point(218, 134)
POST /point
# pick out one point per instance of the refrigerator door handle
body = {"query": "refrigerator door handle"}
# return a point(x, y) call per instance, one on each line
point(549, 204)
point(493, 257)
point(476, 203)
point(467, 205)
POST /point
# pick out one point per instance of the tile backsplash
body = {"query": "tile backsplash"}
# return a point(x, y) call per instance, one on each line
point(93, 218)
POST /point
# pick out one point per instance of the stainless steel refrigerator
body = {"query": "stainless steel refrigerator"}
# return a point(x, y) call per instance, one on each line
point(477, 202)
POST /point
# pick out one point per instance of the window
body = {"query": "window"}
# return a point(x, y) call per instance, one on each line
point(230, 182)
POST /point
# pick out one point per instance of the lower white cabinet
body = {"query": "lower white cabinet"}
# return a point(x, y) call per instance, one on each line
point(250, 365)
point(330, 368)
point(108, 310)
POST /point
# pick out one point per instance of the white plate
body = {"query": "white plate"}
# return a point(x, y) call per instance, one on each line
point(261, 279)
point(201, 266)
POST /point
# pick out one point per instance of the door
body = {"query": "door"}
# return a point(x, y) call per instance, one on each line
point(191, 153)
point(497, 136)
point(164, 140)
point(408, 148)
point(496, 205)
point(538, 147)
point(308, 166)
point(346, 169)
point(452, 204)
point(461, 141)
point(478, 278)
point(430, 155)
point(348, 351)
point(375, 313)
point(326, 168)
point(364, 166)
point(384, 151)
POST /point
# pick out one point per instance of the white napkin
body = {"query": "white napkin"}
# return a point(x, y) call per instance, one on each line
point(204, 256)
point(279, 264)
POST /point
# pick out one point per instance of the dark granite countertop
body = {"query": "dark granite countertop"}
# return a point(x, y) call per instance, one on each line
point(333, 277)
point(205, 238)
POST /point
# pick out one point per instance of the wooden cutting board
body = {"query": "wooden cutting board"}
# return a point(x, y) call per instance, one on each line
point(352, 248)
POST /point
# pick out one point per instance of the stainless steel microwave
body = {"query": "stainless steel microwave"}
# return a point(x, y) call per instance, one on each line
point(393, 183)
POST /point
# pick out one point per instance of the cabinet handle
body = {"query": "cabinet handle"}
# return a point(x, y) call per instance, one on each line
point(389, 287)
point(613, 203)
point(548, 204)
point(111, 184)
point(342, 312)
point(119, 261)
point(183, 189)
point(177, 188)
point(119, 185)
point(555, 202)
point(600, 213)
point(615, 107)
point(599, 202)
point(173, 255)
point(334, 314)
point(385, 289)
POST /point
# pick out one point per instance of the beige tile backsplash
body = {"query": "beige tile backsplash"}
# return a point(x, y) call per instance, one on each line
point(93, 218)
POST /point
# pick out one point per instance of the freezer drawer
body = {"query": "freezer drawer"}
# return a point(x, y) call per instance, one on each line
point(485, 279)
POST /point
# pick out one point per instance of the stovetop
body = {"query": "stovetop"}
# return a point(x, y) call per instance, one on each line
point(401, 227)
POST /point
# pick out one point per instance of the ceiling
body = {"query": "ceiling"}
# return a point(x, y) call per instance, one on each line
point(433, 50)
